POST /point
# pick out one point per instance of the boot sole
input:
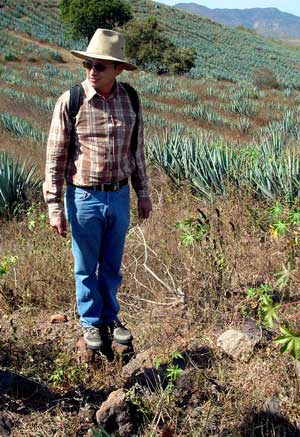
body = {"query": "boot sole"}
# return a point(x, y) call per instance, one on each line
point(123, 341)
point(93, 347)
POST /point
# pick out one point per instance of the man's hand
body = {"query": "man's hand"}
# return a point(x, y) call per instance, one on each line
point(144, 208)
point(59, 223)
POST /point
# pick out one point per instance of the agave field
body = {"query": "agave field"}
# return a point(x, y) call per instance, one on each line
point(221, 248)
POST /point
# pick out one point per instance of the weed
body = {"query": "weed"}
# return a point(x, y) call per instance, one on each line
point(173, 372)
point(66, 373)
point(289, 341)
point(261, 300)
point(6, 263)
point(192, 230)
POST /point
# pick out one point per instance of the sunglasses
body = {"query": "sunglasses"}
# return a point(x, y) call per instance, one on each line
point(98, 67)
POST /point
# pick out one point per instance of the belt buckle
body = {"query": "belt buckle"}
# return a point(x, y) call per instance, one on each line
point(116, 186)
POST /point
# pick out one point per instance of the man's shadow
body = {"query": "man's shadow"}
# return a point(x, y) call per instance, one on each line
point(267, 424)
point(22, 395)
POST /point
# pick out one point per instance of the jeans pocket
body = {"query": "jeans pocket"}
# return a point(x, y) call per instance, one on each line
point(77, 193)
point(81, 194)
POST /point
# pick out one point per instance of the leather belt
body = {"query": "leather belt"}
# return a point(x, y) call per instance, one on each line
point(107, 186)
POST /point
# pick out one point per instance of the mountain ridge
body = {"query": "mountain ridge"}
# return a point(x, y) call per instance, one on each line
point(268, 22)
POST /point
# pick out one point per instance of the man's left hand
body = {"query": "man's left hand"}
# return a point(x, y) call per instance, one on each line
point(144, 208)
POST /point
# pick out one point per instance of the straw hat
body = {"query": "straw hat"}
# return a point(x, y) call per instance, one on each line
point(107, 45)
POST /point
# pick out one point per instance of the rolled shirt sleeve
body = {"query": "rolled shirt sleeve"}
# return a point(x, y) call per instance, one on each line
point(139, 178)
point(56, 157)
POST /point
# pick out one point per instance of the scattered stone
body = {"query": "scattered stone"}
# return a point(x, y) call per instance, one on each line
point(252, 330)
point(115, 401)
point(237, 344)
point(140, 362)
point(114, 415)
point(58, 318)
point(84, 354)
point(125, 351)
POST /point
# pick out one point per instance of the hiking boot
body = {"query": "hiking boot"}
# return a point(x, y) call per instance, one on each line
point(120, 333)
point(92, 337)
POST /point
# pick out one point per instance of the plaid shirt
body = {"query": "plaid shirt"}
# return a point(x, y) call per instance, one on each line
point(102, 151)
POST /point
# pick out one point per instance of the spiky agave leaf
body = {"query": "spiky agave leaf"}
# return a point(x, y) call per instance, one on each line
point(15, 181)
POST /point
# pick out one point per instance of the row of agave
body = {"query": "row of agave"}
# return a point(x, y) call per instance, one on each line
point(46, 103)
point(21, 127)
point(210, 166)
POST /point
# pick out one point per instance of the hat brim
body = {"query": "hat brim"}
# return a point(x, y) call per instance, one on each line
point(85, 55)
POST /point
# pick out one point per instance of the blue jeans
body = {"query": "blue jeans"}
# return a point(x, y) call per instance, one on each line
point(99, 222)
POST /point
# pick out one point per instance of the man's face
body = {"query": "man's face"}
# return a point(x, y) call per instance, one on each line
point(101, 74)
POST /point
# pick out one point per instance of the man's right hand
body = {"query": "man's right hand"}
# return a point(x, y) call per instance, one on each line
point(59, 223)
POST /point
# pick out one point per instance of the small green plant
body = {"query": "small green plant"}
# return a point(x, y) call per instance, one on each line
point(66, 372)
point(176, 355)
point(35, 218)
point(289, 341)
point(267, 309)
point(58, 376)
point(6, 264)
point(285, 275)
point(294, 217)
point(279, 228)
point(157, 363)
point(192, 230)
point(173, 372)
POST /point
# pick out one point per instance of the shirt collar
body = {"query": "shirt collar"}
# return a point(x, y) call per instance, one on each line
point(90, 92)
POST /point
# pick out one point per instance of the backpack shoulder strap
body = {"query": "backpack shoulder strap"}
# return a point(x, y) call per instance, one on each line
point(76, 98)
point(134, 100)
point(133, 95)
point(76, 94)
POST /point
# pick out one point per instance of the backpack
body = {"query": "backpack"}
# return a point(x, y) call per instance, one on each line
point(76, 98)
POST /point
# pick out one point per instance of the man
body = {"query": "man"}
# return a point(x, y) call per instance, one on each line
point(97, 193)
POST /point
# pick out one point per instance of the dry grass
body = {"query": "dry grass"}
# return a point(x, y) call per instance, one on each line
point(172, 298)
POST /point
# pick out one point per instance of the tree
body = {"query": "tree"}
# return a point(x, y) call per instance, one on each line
point(265, 78)
point(147, 47)
point(179, 61)
point(85, 16)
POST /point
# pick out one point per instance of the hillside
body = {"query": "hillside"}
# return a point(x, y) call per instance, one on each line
point(215, 44)
point(268, 22)
point(220, 252)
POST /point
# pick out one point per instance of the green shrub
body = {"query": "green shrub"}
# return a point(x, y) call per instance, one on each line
point(265, 78)
point(84, 17)
point(10, 57)
point(148, 48)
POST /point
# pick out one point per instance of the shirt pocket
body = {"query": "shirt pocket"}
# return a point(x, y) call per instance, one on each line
point(123, 127)
point(92, 130)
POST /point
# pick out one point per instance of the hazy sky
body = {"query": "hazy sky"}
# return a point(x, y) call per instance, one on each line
point(291, 6)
